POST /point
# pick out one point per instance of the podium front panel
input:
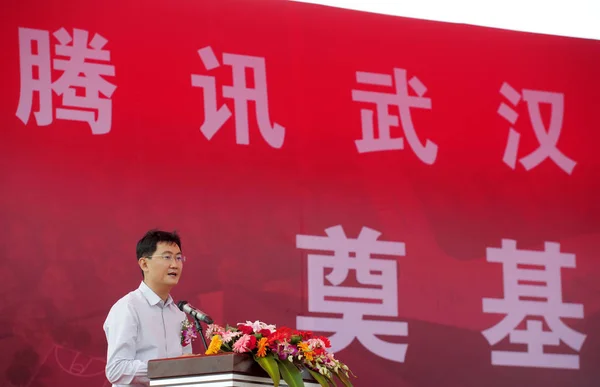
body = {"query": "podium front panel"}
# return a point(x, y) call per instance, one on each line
point(222, 370)
point(220, 380)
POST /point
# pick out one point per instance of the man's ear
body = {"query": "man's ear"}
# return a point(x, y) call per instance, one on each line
point(143, 262)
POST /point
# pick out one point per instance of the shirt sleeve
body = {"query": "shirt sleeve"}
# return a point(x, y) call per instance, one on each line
point(121, 329)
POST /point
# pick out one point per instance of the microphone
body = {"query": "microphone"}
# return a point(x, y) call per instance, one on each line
point(185, 306)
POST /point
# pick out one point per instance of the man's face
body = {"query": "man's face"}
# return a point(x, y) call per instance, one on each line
point(163, 268)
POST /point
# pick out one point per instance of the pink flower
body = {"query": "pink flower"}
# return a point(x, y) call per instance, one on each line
point(246, 343)
point(227, 336)
point(188, 335)
point(188, 332)
point(213, 329)
point(319, 342)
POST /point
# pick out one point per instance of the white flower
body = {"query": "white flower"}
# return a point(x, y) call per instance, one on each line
point(258, 325)
point(213, 329)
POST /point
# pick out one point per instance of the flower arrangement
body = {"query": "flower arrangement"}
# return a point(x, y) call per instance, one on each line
point(188, 332)
point(281, 352)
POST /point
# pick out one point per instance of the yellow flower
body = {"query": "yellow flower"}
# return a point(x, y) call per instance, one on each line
point(304, 347)
point(262, 347)
point(215, 345)
point(308, 354)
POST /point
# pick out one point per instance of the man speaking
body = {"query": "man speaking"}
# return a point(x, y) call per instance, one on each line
point(146, 324)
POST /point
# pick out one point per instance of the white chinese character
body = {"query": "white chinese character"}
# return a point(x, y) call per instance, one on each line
point(241, 94)
point(379, 297)
point(80, 83)
point(533, 274)
point(547, 137)
point(385, 120)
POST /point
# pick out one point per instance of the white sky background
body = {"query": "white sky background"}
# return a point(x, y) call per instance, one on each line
point(575, 18)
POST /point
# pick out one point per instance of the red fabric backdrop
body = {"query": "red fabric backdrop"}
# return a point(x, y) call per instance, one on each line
point(73, 204)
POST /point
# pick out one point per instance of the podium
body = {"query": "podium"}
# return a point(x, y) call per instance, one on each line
point(222, 370)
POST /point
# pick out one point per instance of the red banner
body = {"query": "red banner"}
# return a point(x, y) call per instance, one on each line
point(425, 194)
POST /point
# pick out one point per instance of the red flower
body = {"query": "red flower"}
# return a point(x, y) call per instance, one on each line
point(326, 341)
point(245, 329)
point(280, 335)
point(252, 342)
point(306, 335)
point(265, 332)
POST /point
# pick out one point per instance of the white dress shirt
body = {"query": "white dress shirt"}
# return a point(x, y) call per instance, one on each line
point(140, 327)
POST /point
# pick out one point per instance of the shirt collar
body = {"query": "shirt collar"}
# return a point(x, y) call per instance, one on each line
point(153, 298)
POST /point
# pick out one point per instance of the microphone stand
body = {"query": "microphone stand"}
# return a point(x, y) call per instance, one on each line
point(199, 329)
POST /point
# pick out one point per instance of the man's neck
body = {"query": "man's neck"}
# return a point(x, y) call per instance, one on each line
point(161, 291)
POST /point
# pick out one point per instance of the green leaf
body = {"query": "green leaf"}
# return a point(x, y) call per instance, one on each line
point(269, 364)
point(331, 380)
point(290, 373)
point(343, 378)
point(295, 339)
point(322, 380)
